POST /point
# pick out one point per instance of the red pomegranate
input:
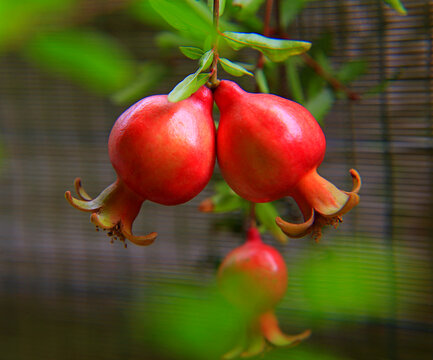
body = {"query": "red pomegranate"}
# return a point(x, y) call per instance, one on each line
point(269, 147)
point(254, 278)
point(163, 152)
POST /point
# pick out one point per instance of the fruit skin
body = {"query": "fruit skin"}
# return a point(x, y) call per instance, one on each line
point(254, 275)
point(265, 143)
point(162, 152)
point(254, 278)
point(165, 152)
point(269, 147)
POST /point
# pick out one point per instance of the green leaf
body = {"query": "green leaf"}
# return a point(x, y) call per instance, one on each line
point(90, 58)
point(315, 84)
point(275, 49)
point(382, 86)
point(289, 10)
point(191, 52)
point(144, 11)
point(262, 82)
point(148, 78)
point(205, 61)
point(226, 203)
point(202, 79)
point(349, 71)
point(188, 16)
point(266, 214)
point(320, 105)
point(294, 80)
point(397, 6)
point(233, 68)
point(225, 199)
point(188, 86)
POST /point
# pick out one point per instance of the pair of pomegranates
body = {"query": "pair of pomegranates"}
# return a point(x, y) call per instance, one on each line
point(267, 147)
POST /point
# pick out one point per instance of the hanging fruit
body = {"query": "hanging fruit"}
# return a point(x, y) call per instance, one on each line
point(163, 152)
point(253, 277)
point(269, 147)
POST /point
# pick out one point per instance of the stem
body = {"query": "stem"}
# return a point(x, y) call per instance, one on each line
point(266, 29)
point(213, 81)
point(335, 83)
point(282, 72)
point(267, 21)
point(252, 214)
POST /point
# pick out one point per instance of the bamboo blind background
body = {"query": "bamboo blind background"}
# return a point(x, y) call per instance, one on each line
point(65, 291)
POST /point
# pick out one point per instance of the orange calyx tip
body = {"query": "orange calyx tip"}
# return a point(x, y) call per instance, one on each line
point(316, 220)
point(262, 335)
point(296, 230)
point(273, 334)
point(113, 210)
point(206, 206)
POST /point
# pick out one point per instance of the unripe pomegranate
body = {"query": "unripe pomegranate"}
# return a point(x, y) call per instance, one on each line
point(253, 277)
point(163, 152)
point(269, 147)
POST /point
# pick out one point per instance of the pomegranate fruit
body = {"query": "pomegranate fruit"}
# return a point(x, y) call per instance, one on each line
point(161, 151)
point(253, 277)
point(269, 147)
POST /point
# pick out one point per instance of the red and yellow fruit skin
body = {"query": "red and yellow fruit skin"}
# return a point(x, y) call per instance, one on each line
point(265, 143)
point(258, 274)
point(165, 152)
point(162, 152)
point(254, 278)
point(269, 147)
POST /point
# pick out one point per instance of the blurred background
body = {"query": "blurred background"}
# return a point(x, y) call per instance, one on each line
point(69, 68)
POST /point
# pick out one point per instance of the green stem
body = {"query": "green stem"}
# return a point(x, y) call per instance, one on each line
point(213, 81)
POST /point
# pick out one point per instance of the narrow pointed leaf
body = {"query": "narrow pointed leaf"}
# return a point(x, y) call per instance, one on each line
point(188, 86)
point(275, 49)
point(184, 89)
point(262, 82)
point(397, 5)
point(202, 79)
point(233, 68)
point(351, 70)
point(191, 52)
point(205, 60)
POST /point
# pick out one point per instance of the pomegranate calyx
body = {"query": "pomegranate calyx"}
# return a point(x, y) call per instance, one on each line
point(272, 332)
point(319, 213)
point(262, 334)
point(113, 210)
point(296, 230)
point(206, 206)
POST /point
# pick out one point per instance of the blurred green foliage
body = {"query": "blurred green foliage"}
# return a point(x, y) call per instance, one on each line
point(91, 58)
point(186, 322)
point(19, 19)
